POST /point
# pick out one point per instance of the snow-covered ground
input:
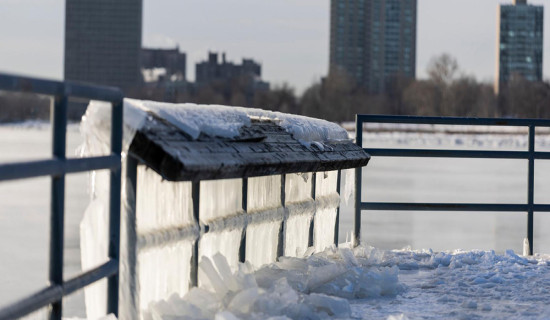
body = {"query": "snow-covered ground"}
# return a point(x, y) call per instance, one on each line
point(422, 284)
point(368, 283)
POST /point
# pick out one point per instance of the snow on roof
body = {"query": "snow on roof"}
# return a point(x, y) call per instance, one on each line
point(225, 121)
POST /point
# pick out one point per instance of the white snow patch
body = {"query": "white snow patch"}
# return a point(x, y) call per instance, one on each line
point(225, 121)
point(305, 129)
point(213, 120)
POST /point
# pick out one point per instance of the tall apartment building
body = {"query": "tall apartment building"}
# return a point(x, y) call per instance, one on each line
point(373, 41)
point(103, 41)
point(519, 42)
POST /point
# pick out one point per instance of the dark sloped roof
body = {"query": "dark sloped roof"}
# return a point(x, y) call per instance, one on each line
point(264, 148)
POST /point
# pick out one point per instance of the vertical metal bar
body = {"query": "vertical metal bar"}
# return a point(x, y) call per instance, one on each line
point(282, 230)
point(358, 177)
point(337, 222)
point(310, 240)
point(57, 204)
point(195, 194)
point(242, 247)
point(114, 208)
point(530, 187)
point(130, 276)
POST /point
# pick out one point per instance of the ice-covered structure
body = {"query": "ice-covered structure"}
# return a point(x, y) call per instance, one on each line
point(250, 184)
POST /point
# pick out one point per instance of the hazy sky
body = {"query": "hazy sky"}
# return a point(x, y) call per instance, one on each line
point(289, 37)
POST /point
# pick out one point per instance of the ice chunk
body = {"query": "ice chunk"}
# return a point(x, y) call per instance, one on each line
point(225, 315)
point(398, 317)
point(225, 272)
point(348, 257)
point(526, 249)
point(243, 302)
point(324, 274)
point(333, 306)
point(348, 189)
point(213, 277)
point(206, 300)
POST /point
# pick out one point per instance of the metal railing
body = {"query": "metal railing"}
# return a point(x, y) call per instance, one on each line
point(57, 167)
point(530, 155)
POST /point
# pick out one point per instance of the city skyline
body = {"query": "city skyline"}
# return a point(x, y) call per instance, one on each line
point(292, 45)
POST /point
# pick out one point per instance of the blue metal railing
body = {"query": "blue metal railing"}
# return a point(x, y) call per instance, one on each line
point(530, 207)
point(57, 167)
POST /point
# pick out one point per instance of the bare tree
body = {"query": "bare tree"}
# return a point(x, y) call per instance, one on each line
point(443, 68)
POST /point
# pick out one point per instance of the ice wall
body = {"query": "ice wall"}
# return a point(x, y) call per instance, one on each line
point(300, 206)
point(327, 201)
point(158, 239)
point(164, 211)
point(316, 287)
point(219, 207)
point(161, 204)
point(265, 214)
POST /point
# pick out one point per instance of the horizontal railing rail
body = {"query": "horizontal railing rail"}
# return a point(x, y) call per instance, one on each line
point(57, 167)
point(530, 155)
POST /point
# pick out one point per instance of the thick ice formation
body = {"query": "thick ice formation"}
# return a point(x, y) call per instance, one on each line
point(316, 287)
point(367, 283)
point(156, 246)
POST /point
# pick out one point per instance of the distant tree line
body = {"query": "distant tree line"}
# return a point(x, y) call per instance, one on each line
point(446, 92)
point(20, 106)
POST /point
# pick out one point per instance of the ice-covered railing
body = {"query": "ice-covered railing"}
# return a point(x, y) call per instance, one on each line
point(249, 184)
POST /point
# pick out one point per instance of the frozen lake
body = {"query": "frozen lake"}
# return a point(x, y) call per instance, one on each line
point(24, 205)
point(452, 180)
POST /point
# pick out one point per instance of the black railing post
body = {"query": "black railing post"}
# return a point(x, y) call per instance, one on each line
point(130, 252)
point(530, 188)
point(195, 195)
point(282, 230)
point(358, 177)
point(310, 241)
point(337, 222)
point(59, 130)
point(242, 247)
point(114, 207)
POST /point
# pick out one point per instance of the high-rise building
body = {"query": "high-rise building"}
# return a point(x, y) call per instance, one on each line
point(374, 41)
point(520, 42)
point(103, 41)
